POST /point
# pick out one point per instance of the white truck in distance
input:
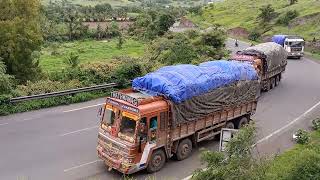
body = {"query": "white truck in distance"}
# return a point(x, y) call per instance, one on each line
point(294, 45)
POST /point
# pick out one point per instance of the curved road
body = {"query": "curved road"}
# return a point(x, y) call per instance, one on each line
point(60, 142)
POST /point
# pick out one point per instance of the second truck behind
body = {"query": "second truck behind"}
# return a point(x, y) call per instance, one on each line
point(270, 61)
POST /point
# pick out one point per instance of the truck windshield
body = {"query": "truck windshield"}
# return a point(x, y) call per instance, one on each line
point(128, 126)
point(296, 44)
point(127, 129)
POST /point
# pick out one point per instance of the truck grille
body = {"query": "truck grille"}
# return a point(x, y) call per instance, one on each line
point(112, 146)
point(294, 49)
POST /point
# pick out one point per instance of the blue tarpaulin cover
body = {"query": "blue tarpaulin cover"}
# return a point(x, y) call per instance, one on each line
point(182, 82)
point(279, 39)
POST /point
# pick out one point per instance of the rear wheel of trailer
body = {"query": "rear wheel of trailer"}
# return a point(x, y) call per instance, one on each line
point(184, 149)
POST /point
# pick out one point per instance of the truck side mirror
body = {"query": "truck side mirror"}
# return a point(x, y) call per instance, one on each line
point(100, 113)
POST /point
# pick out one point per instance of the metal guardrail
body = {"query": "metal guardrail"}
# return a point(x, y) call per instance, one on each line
point(63, 93)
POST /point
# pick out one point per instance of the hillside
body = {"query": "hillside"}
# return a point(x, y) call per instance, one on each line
point(95, 2)
point(135, 2)
point(243, 13)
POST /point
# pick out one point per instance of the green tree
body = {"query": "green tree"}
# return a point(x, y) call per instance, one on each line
point(211, 44)
point(74, 21)
point(100, 32)
point(151, 24)
point(287, 17)
point(121, 41)
point(113, 30)
point(6, 81)
point(291, 2)
point(103, 8)
point(163, 23)
point(20, 37)
point(267, 13)
point(176, 49)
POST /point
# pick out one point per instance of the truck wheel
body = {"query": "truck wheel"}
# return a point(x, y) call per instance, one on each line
point(184, 149)
point(157, 161)
point(272, 82)
point(267, 86)
point(277, 80)
point(242, 122)
point(230, 125)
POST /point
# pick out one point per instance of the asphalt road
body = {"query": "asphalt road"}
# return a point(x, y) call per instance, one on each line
point(60, 142)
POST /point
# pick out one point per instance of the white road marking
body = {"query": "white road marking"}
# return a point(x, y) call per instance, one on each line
point(72, 110)
point(29, 119)
point(80, 130)
point(4, 124)
point(85, 164)
point(289, 124)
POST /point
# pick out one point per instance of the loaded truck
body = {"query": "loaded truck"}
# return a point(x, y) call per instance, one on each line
point(167, 112)
point(269, 60)
point(294, 45)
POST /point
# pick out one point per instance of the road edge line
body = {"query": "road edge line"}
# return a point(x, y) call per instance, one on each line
point(81, 165)
point(72, 110)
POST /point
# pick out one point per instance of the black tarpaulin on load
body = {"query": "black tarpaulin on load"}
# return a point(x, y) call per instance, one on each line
point(274, 54)
point(222, 98)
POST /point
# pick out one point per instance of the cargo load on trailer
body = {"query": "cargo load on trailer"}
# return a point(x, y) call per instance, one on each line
point(269, 60)
point(196, 91)
point(168, 111)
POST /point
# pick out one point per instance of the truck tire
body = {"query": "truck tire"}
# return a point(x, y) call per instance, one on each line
point(277, 80)
point(184, 149)
point(157, 161)
point(230, 125)
point(272, 82)
point(267, 86)
point(242, 122)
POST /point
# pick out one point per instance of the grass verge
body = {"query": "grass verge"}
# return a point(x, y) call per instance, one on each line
point(52, 57)
point(289, 162)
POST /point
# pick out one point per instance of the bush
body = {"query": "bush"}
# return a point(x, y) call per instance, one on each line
point(303, 137)
point(127, 71)
point(46, 86)
point(254, 35)
point(316, 124)
point(287, 17)
point(237, 161)
point(6, 81)
point(308, 166)
point(96, 73)
point(72, 60)
point(171, 49)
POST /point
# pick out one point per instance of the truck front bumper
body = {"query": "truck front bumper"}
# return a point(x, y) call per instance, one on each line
point(295, 54)
point(116, 164)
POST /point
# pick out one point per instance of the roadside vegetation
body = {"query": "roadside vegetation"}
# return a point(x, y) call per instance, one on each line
point(66, 45)
point(238, 161)
point(89, 51)
point(147, 3)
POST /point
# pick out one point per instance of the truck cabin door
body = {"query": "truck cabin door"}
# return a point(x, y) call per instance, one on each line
point(153, 129)
point(157, 128)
